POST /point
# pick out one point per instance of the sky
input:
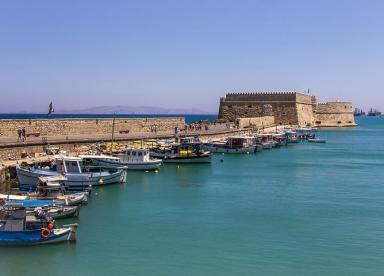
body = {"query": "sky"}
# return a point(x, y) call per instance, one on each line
point(187, 53)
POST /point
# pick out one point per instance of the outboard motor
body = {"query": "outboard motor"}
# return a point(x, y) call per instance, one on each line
point(40, 214)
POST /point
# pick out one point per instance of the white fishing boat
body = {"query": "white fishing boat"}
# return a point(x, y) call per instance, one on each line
point(292, 136)
point(74, 171)
point(131, 159)
point(235, 144)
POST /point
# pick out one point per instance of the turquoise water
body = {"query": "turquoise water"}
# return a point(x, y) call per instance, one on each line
point(309, 209)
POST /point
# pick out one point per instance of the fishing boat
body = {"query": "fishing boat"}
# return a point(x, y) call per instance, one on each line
point(76, 174)
point(19, 227)
point(266, 141)
point(304, 133)
point(188, 151)
point(52, 187)
point(55, 209)
point(280, 139)
point(317, 140)
point(27, 202)
point(131, 159)
point(291, 136)
point(235, 144)
point(60, 212)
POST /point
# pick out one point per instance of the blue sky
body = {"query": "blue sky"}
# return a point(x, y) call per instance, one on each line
point(183, 54)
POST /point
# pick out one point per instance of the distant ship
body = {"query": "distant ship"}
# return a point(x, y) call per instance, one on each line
point(358, 112)
point(374, 112)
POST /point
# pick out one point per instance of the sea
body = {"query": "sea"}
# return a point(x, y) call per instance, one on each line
point(305, 209)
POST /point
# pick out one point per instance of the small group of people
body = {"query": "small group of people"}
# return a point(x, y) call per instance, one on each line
point(21, 133)
point(154, 129)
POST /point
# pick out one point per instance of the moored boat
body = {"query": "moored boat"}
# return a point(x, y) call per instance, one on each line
point(188, 151)
point(292, 137)
point(235, 144)
point(75, 173)
point(131, 159)
point(21, 228)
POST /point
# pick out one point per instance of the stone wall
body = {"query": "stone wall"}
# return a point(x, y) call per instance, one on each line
point(334, 114)
point(258, 122)
point(52, 127)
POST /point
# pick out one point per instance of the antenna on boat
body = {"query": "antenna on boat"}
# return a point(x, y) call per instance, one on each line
point(113, 130)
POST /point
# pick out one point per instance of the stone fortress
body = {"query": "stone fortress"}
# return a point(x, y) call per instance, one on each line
point(285, 108)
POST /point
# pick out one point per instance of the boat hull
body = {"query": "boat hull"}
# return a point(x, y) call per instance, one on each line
point(216, 149)
point(140, 166)
point(188, 159)
point(317, 141)
point(66, 212)
point(28, 179)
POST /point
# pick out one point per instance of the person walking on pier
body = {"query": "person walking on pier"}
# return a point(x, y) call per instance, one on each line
point(23, 134)
point(19, 133)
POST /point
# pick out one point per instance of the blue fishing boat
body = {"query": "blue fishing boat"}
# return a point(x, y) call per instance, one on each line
point(19, 227)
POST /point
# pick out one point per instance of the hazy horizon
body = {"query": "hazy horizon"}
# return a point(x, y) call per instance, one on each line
point(187, 54)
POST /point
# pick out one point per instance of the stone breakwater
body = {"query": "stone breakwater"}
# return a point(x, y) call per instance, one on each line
point(56, 127)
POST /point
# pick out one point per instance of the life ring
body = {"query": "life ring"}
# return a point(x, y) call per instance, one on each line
point(45, 233)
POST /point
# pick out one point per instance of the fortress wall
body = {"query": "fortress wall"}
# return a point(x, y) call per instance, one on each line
point(304, 114)
point(284, 113)
point(334, 114)
point(230, 111)
point(52, 127)
point(284, 107)
point(258, 122)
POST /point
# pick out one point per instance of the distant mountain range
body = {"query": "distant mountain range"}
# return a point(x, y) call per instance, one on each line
point(122, 109)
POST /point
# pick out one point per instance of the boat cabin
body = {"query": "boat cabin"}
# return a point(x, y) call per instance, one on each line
point(190, 140)
point(88, 159)
point(51, 185)
point(66, 164)
point(134, 156)
point(15, 219)
point(238, 142)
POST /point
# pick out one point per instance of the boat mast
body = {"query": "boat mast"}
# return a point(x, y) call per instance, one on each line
point(113, 130)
